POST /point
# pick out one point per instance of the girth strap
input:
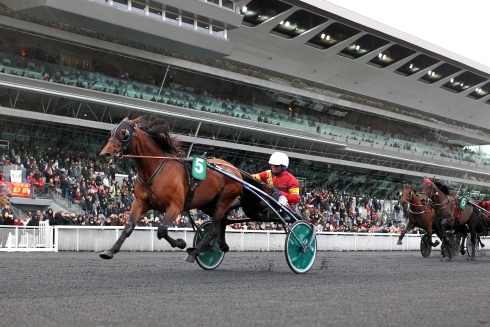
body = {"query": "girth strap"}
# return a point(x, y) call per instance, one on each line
point(147, 184)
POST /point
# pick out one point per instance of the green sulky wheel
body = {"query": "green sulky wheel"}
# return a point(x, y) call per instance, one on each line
point(425, 247)
point(300, 262)
point(210, 257)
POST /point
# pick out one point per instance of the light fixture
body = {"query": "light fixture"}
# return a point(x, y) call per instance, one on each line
point(380, 55)
point(430, 72)
point(411, 66)
point(322, 36)
point(452, 80)
point(281, 22)
point(357, 47)
point(384, 57)
point(287, 23)
point(328, 37)
point(462, 84)
point(244, 9)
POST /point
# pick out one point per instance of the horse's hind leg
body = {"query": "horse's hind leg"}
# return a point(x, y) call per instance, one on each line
point(192, 253)
point(223, 246)
point(480, 242)
point(162, 232)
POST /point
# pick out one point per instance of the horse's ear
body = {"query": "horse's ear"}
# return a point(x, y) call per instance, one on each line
point(135, 121)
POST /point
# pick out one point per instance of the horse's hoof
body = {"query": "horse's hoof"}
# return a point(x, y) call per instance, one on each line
point(107, 254)
point(482, 245)
point(181, 244)
point(224, 247)
point(191, 255)
point(190, 258)
point(399, 243)
point(436, 243)
point(462, 252)
point(447, 259)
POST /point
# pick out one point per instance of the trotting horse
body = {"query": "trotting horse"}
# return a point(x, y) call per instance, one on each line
point(419, 215)
point(164, 182)
point(449, 214)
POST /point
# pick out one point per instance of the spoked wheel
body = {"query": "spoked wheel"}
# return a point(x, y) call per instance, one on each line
point(425, 247)
point(469, 247)
point(299, 260)
point(211, 256)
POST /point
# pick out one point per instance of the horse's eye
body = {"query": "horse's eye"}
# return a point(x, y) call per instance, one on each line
point(126, 135)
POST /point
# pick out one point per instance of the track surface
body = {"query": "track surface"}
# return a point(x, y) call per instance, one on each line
point(248, 289)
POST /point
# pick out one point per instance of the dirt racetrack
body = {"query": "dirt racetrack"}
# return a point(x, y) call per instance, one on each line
point(248, 289)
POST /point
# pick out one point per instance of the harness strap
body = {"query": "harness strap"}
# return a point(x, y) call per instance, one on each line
point(147, 184)
point(192, 182)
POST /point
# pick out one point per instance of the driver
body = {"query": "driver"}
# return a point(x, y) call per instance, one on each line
point(286, 185)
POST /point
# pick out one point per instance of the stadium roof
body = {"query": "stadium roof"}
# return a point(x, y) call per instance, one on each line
point(322, 42)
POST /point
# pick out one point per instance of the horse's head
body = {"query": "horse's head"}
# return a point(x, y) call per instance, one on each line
point(407, 193)
point(428, 190)
point(120, 140)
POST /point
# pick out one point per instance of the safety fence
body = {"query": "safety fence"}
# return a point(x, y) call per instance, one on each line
point(85, 238)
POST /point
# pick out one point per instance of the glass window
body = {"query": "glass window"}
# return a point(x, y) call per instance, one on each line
point(171, 17)
point(155, 13)
point(203, 27)
point(227, 4)
point(218, 31)
point(188, 22)
point(123, 4)
point(216, 2)
point(138, 7)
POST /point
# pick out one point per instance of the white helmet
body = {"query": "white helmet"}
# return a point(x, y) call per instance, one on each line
point(279, 158)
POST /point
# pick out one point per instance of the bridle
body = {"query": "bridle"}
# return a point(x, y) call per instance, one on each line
point(437, 206)
point(411, 204)
point(126, 142)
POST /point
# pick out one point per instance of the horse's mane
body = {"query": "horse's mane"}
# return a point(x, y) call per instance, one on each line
point(159, 132)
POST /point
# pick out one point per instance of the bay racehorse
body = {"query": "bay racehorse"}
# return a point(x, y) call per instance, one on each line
point(419, 215)
point(164, 183)
point(449, 214)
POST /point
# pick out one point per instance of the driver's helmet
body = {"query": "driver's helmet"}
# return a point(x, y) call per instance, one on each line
point(279, 158)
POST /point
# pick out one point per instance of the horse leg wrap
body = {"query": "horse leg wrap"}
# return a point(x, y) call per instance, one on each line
point(128, 229)
point(162, 231)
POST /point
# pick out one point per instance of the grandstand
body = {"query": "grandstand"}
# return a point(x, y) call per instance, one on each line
point(241, 79)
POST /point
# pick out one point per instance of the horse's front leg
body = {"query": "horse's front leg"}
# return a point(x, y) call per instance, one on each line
point(429, 237)
point(162, 232)
point(461, 247)
point(409, 227)
point(134, 217)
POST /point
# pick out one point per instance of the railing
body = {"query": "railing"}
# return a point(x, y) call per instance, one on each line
point(85, 238)
point(28, 239)
point(65, 203)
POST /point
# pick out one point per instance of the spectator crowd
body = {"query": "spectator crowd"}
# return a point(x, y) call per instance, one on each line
point(83, 181)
